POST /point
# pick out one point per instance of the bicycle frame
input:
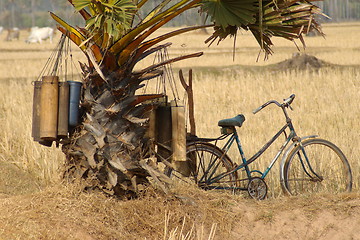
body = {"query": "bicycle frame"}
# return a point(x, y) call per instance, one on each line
point(233, 137)
point(245, 163)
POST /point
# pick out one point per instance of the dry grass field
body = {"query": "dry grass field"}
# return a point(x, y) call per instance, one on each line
point(36, 204)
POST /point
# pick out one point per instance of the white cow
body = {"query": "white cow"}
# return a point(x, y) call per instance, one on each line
point(1, 29)
point(39, 34)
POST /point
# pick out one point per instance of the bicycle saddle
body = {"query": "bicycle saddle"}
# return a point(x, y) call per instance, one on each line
point(232, 122)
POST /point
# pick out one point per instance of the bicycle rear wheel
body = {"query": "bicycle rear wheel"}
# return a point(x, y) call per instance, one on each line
point(317, 166)
point(209, 167)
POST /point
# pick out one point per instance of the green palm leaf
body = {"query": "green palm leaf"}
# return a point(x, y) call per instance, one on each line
point(80, 4)
point(110, 18)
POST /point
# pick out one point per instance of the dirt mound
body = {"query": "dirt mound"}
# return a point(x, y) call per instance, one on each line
point(301, 61)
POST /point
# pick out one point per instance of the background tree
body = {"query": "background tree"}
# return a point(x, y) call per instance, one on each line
point(109, 148)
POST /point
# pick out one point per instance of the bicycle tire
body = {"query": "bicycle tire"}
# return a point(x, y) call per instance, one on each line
point(207, 162)
point(328, 162)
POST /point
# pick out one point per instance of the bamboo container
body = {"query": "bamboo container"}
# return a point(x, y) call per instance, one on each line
point(35, 133)
point(49, 100)
point(150, 131)
point(178, 143)
point(63, 115)
point(178, 132)
point(163, 131)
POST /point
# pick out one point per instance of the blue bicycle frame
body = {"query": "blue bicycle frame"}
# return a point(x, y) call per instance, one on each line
point(213, 174)
point(245, 163)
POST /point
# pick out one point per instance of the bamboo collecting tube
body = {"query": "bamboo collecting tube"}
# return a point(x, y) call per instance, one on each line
point(163, 131)
point(35, 133)
point(63, 115)
point(151, 131)
point(178, 132)
point(179, 139)
point(49, 100)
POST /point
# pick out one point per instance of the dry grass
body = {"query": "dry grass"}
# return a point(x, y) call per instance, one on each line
point(326, 104)
point(16, 145)
point(323, 105)
point(65, 212)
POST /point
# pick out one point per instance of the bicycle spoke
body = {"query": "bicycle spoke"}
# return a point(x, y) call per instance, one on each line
point(211, 167)
point(200, 164)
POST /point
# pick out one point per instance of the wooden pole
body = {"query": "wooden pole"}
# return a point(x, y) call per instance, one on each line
point(190, 94)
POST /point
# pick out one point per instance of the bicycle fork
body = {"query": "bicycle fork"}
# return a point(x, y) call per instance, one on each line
point(305, 163)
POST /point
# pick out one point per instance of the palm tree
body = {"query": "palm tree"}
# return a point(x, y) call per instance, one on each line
point(110, 148)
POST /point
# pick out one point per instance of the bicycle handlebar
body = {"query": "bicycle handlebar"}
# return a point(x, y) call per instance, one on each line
point(287, 102)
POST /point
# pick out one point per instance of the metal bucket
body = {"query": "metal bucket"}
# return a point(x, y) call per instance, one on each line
point(49, 100)
point(63, 116)
point(74, 101)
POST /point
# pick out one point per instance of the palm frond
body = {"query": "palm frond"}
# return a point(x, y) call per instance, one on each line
point(140, 3)
point(82, 12)
point(127, 48)
point(156, 10)
point(150, 43)
point(226, 13)
point(172, 60)
point(288, 19)
point(68, 27)
point(110, 19)
point(159, 20)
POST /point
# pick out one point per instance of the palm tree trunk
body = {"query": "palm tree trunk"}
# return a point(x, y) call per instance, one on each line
point(109, 149)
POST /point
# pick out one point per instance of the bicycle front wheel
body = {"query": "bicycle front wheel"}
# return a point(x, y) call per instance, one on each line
point(211, 167)
point(317, 166)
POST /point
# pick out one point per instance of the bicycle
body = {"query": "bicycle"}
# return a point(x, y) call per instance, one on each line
point(309, 164)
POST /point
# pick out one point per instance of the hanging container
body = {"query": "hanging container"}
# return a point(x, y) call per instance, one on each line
point(178, 143)
point(35, 133)
point(49, 99)
point(63, 115)
point(36, 116)
point(163, 132)
point(74, 101)
point(178, 131)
